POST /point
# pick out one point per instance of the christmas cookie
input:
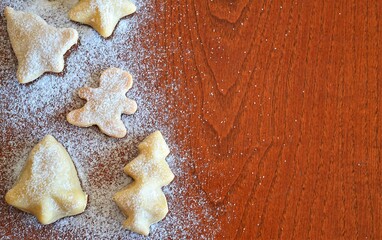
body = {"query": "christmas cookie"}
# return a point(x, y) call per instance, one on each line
point(143, 202)
point(48, 186)
point(102, 15)
point(38, 46)
point(106, 104)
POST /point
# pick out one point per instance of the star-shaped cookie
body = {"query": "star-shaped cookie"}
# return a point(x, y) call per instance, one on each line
point(48, 186)
point(102, 15)
point(106, 104)
point(38, 46)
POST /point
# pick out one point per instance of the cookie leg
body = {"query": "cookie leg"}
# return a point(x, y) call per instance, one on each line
point(114, 128)
point(76, 117)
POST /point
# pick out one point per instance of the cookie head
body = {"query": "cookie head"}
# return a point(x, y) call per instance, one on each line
point(116, 80)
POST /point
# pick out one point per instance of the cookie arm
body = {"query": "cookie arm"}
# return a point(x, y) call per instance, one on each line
point(85, 93)
point(130, 106)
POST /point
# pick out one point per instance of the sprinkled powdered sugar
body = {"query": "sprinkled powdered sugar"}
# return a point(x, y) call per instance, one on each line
point(29, 112)
point(45, 167)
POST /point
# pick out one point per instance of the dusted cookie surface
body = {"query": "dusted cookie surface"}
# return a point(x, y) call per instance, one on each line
point(106, 104)
point(38, 46)
point(143, 202)
point(48, 186)
point(102, 15)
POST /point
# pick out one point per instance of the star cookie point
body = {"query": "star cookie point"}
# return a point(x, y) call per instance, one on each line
point(102, 15)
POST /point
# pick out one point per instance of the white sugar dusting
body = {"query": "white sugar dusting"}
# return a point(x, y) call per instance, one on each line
point(29, 112)
point(45, 166)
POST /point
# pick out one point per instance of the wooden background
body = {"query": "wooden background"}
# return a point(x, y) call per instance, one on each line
point(286, 114)
point(282, 100)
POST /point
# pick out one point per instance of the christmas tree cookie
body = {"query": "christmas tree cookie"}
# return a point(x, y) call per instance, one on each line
point(102, 15)
point(106, 104)
point(39, 47)
point(143, 202)
point(48, 186)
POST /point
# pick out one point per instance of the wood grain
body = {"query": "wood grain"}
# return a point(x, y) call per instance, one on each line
point(280, 110)
point(285, 114)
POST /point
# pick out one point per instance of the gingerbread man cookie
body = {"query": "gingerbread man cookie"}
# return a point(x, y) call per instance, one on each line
point(102, 15)
point(39, 47)
point(106, 104)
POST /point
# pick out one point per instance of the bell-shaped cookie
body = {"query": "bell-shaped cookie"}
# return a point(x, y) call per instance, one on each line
point(48, 186)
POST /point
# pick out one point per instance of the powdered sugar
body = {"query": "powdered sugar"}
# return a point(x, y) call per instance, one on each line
point(47, 169)
point(29, 112)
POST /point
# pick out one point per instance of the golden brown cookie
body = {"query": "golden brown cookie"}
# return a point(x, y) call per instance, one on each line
point(106, 104)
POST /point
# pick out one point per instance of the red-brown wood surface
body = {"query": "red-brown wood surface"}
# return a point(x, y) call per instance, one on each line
point(281, 100)
point(286, 114)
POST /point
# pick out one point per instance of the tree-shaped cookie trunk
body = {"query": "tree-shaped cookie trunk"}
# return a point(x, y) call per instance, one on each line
point(143, 202)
